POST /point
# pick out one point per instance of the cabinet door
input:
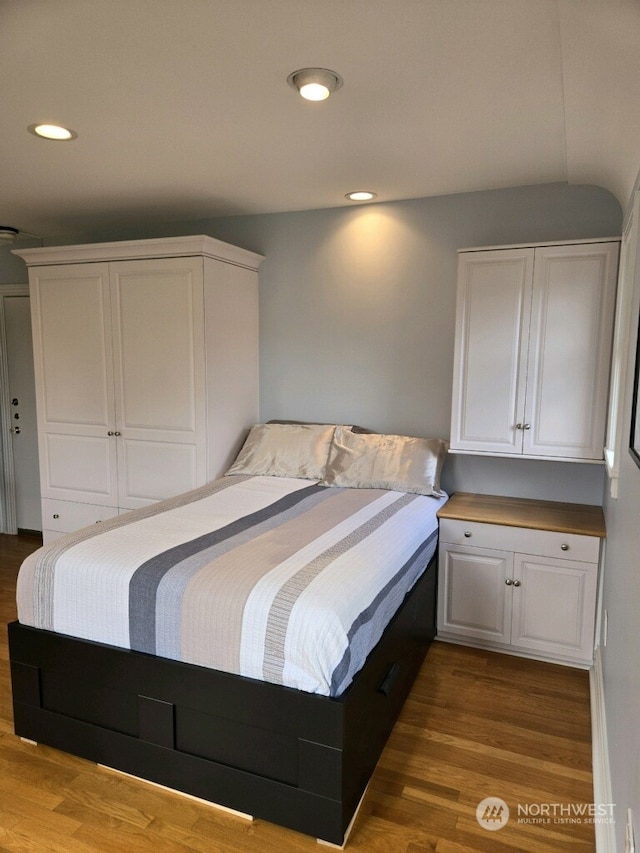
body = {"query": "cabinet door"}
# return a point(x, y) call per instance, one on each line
point(492, 322)
point(74, 382)
point(554, 607)
point(569, 350)
point(472, 597)
point(158, 334)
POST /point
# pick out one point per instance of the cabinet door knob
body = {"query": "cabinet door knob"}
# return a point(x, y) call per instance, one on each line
point(55, 515)
point(564, 547)
point(467, 534)
point(508, 582)
point(516, 583)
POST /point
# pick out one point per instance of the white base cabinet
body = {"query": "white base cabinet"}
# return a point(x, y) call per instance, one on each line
point(522, 589)
point(146, 368)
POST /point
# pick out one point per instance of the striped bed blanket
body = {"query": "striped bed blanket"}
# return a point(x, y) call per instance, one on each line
point(273, 578)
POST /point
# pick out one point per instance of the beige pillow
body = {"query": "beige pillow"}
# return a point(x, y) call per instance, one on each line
point(285, 450)
point(396, 462)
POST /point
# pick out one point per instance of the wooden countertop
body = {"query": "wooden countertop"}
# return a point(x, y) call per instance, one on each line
point(521, 512)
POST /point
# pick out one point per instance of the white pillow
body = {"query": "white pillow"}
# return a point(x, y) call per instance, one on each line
point(285, 450)
point(396, 462)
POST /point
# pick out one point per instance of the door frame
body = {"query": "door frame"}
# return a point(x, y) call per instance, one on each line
point(8, 518)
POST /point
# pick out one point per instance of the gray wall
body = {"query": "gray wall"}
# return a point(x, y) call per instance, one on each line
point(357, 314)
point(621, 600)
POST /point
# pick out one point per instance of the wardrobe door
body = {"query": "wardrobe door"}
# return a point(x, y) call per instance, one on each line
point(158, 335)
point(570, 349)
point(74, 382)
point(492, 326)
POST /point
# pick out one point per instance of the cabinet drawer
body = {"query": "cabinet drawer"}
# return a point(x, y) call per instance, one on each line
point(543, 543)
point(66, 516)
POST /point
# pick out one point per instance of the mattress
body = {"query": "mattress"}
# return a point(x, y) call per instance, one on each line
point(274, 578)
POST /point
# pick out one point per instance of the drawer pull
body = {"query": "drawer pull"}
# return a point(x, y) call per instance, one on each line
point(389, 679)
point(55, 515)
point(467, 534)
point(564, 547)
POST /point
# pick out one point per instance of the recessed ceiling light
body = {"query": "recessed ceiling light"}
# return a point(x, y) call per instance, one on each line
point(315, 84)
point(361, 195)
point(54, 132)
point(8, 234)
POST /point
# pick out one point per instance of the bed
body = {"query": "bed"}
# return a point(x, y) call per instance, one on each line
point(250, 643)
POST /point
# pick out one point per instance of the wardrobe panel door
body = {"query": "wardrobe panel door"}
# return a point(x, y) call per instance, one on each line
point(74, 381)
point(159, 377)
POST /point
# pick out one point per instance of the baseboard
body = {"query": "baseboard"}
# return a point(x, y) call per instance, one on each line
point(602, 791)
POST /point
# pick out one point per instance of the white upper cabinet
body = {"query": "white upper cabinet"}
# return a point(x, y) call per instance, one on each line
point(532, 350)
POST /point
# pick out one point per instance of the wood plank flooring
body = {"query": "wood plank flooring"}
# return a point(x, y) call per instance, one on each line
point(476, 725)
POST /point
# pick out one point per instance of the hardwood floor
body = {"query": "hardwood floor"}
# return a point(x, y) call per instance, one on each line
point(476, 725)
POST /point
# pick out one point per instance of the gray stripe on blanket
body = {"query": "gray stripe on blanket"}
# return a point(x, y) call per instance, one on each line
point(143, 586)
point(392, 596)
point(171, 588)
point(278, 619)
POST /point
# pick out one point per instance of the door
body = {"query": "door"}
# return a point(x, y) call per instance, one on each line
point(554, 606)
point(158, 349)
point(473, 601)
point(492, 326)
point(570, 348)
point(22, 410)
point(74, 382)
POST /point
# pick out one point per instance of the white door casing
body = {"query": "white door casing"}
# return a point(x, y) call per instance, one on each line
point(20, 474)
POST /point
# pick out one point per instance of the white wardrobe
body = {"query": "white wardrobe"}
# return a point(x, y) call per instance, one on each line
point(146, 367)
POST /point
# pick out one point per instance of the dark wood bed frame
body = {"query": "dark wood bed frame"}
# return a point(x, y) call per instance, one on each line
point(293, 758)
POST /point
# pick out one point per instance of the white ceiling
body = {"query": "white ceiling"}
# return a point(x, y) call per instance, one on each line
point(183, 111)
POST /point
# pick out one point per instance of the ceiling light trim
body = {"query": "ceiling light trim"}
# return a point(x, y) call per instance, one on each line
point(8, 234)
point(315, 84)
point(52, 132)
point(361, 195)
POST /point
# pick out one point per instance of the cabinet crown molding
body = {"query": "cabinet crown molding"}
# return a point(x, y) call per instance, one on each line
point(124, 250)
point(615, 239)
